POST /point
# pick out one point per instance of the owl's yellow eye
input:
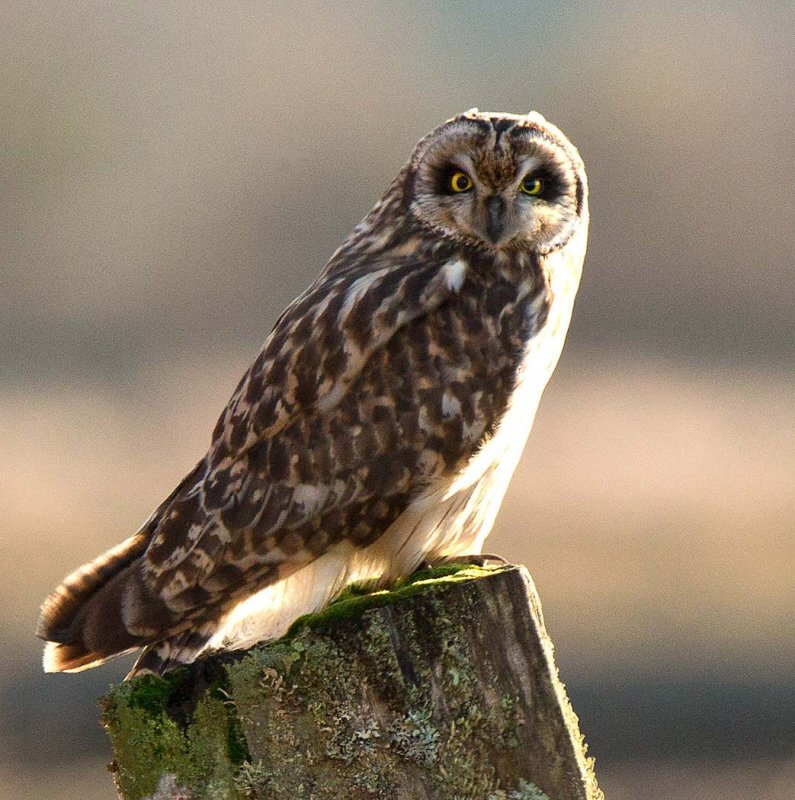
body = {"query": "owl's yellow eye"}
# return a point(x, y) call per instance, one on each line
point(531, 186)
point(460, 182)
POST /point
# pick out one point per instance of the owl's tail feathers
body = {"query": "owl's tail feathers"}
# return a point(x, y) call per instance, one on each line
point(184, 648)
point(85, 620)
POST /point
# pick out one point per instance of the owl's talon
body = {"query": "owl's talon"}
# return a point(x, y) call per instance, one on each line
point(476, 559)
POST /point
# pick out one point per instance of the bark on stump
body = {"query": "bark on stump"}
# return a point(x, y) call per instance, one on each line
point(444, 688)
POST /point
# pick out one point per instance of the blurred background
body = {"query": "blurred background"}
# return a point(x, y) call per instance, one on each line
point(173, 174)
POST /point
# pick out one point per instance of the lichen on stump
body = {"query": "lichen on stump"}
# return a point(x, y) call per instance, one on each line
point(442, 688)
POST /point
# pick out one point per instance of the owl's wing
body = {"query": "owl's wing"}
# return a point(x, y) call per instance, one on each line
point(323, 340)
point(323, 438)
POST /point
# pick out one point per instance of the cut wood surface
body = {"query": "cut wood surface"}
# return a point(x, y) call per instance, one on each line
point(444, 687)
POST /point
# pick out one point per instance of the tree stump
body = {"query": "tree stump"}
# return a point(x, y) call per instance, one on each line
point(443, 688)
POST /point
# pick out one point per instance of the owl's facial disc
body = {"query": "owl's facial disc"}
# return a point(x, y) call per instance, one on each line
point(502, 182)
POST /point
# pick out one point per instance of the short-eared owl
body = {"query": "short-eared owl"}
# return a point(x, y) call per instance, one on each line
point(381, 422)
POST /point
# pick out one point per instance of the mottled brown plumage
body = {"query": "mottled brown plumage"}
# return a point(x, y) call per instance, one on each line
point(382, 419)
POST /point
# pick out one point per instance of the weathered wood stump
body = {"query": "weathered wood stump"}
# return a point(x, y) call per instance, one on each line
point(442, 688)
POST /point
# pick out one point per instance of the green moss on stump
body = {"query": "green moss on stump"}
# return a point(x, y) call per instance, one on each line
point(361, 700)
point(358, 598)
point(148, 743)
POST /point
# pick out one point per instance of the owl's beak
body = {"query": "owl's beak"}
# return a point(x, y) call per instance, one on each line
point(495, 217)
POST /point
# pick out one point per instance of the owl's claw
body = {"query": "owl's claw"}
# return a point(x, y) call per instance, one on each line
point(477, 559)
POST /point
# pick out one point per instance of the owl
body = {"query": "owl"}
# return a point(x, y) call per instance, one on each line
point(381, 422)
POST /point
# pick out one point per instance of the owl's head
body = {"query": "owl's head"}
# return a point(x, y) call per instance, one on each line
point(499, 181)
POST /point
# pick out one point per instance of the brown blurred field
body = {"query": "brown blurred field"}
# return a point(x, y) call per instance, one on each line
point(172, 175)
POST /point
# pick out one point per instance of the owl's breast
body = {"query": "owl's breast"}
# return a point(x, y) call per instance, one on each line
point(524, 337)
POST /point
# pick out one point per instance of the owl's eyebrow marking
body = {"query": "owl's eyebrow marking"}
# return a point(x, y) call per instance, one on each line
point(464, 162)
point(528, 164)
